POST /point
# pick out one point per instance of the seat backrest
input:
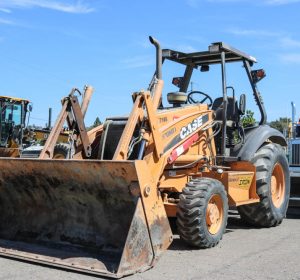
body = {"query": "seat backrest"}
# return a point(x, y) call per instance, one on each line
point(232, 109)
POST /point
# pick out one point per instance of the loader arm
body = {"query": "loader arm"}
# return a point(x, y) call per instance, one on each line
point(142, 99)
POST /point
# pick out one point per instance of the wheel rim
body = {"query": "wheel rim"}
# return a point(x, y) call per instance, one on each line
point(214, 214)
point(59, 156)
point(277, 185)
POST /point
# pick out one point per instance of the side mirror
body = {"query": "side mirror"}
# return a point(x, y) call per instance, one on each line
point(242, 104)
point(29, 108)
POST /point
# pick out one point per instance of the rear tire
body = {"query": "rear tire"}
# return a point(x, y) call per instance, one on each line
point(61, 151)
point(272, 187)
point(202, 212)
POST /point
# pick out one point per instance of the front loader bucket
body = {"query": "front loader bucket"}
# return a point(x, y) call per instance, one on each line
point(91, 216)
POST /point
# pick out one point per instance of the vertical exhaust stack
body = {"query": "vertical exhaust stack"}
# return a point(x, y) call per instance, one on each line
point(293, 119)
point(159, 83)
point(50, 119)
point(158, 57)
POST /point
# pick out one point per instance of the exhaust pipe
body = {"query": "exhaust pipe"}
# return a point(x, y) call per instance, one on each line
point(293, 119)
point(158, 57)
point(50, 119)
point(158, 84)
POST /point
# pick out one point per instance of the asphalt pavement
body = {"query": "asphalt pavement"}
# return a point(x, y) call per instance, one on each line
point(244, 253)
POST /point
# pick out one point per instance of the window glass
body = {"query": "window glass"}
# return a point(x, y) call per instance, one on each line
point(12, 113)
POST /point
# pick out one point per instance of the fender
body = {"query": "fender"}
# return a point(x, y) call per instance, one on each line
point(255, 138)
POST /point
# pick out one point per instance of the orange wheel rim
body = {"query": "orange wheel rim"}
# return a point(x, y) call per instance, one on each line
point(277, 185)
point(214, 214)
point(59, 156)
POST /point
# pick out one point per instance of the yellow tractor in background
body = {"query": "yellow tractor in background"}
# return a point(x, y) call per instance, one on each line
point(106, 211)
point(19, 140)
point(12, 117)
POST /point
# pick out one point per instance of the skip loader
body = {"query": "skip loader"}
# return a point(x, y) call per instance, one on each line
point(105, 211)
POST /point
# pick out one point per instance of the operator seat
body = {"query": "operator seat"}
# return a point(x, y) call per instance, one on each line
point(233, 113)
point(232, 121)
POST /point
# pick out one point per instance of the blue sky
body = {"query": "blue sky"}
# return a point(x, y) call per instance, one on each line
point(47, 47)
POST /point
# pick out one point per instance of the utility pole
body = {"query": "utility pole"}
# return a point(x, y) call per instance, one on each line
point(192, 86)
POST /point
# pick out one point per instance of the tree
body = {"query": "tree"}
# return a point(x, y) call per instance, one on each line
point(282, 124)
point(96, 123)
point(248, 119)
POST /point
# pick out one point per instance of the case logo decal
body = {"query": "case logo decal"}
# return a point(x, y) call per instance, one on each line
point(191, 127)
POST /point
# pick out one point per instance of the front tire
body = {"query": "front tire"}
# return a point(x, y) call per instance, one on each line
point(202, 212)
point(61, 151)
point(272, 187)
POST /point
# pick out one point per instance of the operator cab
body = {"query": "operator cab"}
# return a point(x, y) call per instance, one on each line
point(227, 109)
point(228, 131)
point(12, 118)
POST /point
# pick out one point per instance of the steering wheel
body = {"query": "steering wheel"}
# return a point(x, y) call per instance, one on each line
point(191, 100)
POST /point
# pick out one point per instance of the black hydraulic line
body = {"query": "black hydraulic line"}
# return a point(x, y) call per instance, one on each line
point(142, 149)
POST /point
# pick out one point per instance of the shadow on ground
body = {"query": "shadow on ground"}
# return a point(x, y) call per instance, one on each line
point(234, 223)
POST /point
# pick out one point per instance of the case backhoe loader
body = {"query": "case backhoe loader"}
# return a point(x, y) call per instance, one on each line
point(106, 210)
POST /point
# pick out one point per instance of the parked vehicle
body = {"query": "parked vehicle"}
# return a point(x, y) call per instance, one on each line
point(294, 159)
point(106, 210)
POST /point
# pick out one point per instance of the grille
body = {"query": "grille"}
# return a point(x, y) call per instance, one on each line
point(295, 155)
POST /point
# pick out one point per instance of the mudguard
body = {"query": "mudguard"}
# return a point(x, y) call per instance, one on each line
point(255, 138)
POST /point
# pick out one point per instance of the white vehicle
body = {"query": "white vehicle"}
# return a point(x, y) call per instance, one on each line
point(294, 160)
